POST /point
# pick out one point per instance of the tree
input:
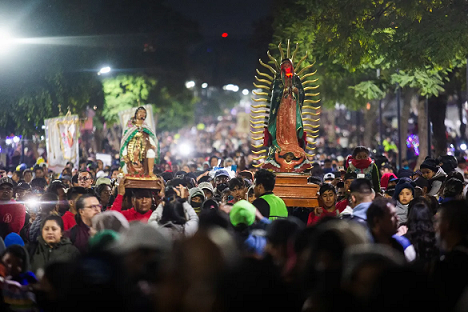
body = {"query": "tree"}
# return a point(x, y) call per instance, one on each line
point(412, 35)
point(127, 91)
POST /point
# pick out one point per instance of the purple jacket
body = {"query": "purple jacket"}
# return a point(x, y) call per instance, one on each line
point(79, 236)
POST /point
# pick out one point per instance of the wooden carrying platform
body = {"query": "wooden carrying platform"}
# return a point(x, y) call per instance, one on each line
point(141, 183)
point(295, 191)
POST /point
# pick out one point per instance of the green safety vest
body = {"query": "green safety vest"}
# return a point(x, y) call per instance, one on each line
point(277, 206)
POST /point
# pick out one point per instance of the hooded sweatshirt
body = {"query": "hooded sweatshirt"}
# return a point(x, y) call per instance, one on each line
point(402, 212)
point(171, 230)
point(436, 182)
point(12, 216)
point(195, 191)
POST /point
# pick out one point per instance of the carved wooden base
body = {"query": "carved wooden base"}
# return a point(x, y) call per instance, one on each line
point(141, 183)
point(295, 191)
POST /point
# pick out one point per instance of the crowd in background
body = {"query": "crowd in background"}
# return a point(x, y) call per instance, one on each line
point(211, 235)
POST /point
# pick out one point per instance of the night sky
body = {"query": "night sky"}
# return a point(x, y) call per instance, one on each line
point(215, 16)
point(214, 59)
point(235, 59)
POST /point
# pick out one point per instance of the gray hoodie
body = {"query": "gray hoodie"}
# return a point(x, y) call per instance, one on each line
point(402, 213)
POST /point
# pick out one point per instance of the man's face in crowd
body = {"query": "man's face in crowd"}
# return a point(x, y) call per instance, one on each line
point(259, 190)
point(197, 200)
point(85, 180)
point(39, 173)
point(91, 208)
point(142, 202)
point(28, 177)
point(66, 183)
point(105, 194)
point(20, 194)
point(347, 184)
point(238, 193)
point(328, 199)
point(15, 177)
point(115, 174)
point(221, 180)
point(208, 193)
point(6, 192)
point(389, 222)
point(462, 166)
point(214, 162)
point(327, 164)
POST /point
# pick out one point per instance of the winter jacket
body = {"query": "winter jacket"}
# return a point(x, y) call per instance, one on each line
point(402, 213)
point(68, 220)
point(12, 215)
point(130, 214)
point(436, 182)
point(313, 218)
point(371, 173)
point(42, 254)
point(173, 231)
point(79, 236)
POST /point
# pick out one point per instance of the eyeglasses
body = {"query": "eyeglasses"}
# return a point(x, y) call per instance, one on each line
point(7, 189)
point(84, 179)
point(97, 207)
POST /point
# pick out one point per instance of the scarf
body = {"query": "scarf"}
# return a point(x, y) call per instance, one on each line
point(361, 163)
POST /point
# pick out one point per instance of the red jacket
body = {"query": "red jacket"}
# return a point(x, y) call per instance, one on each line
point(130, 214)
point(342, 204)
point(68, 220)
point(12, 215)
point(314, 218)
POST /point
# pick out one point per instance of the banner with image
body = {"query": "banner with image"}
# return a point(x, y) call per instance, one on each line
point(62, 135)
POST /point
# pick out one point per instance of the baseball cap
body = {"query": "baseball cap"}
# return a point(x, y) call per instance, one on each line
point(103, 181)
point(242, 212)
point(24, 186)
point(6, 180)
point(247, 174)
point(329, 176)
point(221, 173)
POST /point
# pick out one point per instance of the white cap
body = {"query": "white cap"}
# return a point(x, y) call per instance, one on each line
point(329, 176)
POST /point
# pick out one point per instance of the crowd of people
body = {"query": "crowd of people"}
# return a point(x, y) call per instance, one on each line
point(212, 235)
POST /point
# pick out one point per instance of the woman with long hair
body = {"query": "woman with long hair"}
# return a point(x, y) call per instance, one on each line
point(421, 231)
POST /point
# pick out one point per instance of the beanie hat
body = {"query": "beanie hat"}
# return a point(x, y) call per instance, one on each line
point(103, 240)
point(13, 239)
point(430, 164)
point(195, 191)
point(242, 212)
point(110, 220)
point(206, 186)
point(142, 236)
point(401, 186)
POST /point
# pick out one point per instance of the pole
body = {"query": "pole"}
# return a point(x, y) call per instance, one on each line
point(22, 149)
point(398, 95)
point(429, 147)
point(380, 115)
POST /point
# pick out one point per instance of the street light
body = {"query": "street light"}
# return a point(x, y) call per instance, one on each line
point(6, 41)
point(245, 92)
point(190, 84)
point(204, 85)
point(104, 70)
